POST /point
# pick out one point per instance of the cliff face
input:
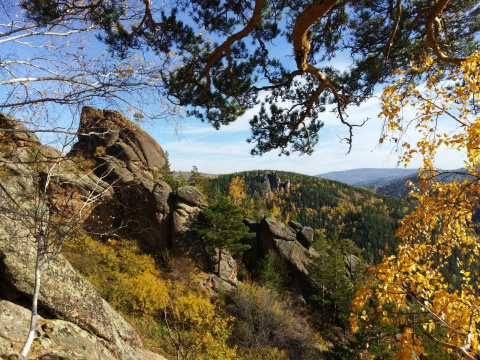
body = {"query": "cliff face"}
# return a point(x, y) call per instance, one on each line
point(108, 177)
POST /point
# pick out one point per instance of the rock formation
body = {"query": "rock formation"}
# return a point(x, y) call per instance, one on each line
point(128, 159)
point(109, 132)
point(114, 160)
point(118, 164)
point(293, 242)
point(272, 183)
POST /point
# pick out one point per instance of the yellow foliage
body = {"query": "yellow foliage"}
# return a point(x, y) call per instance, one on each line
point(207, 332)
point(275, 212)
point(236, 192)
point(133, 284)
point(194, 309)
point(442, 222)
point(100, 150)
point(149, 292)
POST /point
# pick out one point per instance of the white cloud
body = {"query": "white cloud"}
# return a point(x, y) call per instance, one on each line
point(226, 151)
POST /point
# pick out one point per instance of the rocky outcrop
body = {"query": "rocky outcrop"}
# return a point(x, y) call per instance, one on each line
point(188, 202)
point(287, 241)
point(352, 263)
point(56, 339)
point(115, 164)
point(64, 293)
point(272, 183)
point(109, 132)
point(294, 244)
point(17, 132)
point(127, 158)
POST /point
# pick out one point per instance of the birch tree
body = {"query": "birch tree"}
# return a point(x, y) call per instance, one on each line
point(49, 64)
point(43, 191)
point(410, 288)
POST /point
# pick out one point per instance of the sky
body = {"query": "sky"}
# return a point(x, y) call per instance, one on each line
point(226, 150)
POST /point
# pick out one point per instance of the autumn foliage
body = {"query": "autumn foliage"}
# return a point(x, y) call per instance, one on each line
point(410, 289)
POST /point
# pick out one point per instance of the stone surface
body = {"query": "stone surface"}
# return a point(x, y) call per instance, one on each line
point(295, 225)
point(127, 162)
point(188, 202)
point(64, 293)
point(21, 135)
point(305, 236)
point(148, 355)
point(55, 339)
point(226, 267)
point(120, 138)
point(117, 162)
point(293, 243)
point(274, 235)
point(351, 264)
point(190, 195)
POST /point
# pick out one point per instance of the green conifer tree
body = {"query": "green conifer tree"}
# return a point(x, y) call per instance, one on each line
point(221, 226)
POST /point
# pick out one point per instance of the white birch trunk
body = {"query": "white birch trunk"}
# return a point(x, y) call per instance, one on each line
point(33, 319)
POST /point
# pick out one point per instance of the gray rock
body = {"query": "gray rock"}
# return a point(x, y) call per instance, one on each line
point(21, 134)
point(121, 139)
point(305, 236)
point(188, 203)
point(191, 196)
point(279, 230)
point(64, 293)
point(351, 264)
point(276, 236)
point(220, 285)
point(226, 267)
point(148, 355)
point(55, 339)
point(295, 225)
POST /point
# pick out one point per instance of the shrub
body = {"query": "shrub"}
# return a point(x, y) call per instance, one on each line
point(262, 321)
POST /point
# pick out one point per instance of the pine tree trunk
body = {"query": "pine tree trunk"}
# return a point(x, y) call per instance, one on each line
point(219, 260)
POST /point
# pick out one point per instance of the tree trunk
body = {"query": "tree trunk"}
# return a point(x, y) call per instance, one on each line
point(38, 275)
point(33, 319)
point(219, 260)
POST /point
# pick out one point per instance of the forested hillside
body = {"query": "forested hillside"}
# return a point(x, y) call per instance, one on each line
point(336, 210)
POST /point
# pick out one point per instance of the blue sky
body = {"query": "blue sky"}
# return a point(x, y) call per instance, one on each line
point(226, 150)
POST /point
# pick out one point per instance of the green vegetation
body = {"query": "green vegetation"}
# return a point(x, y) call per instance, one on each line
point(220, 225)
point(337, 210)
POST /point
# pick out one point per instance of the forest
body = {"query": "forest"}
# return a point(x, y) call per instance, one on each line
point(99, 239)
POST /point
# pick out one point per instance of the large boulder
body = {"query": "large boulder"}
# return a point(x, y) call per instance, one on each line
point(20, 144)
point(63, 293)
point(55, 339)
point(188, 202)
point(128, 159)
point(111, 133)
point(273, 235)
point(17, 131)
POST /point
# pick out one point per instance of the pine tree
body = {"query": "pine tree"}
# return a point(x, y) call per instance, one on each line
point(221, 226)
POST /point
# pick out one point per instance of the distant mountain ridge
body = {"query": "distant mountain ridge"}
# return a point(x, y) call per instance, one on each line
point(368, 176)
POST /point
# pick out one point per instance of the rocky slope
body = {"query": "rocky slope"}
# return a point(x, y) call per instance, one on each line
point(122, 176)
